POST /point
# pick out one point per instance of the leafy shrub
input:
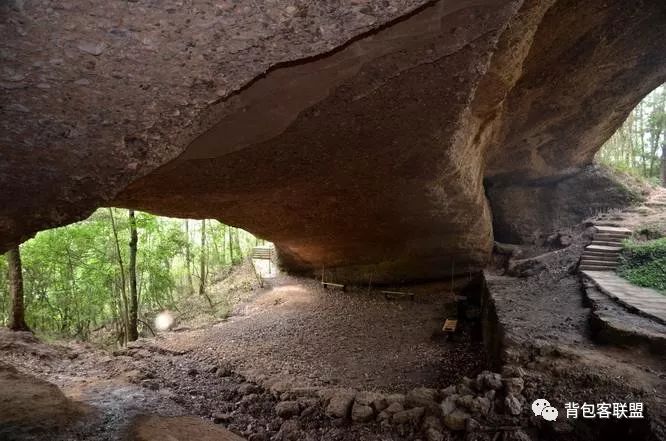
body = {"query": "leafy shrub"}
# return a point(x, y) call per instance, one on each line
point(644, 263)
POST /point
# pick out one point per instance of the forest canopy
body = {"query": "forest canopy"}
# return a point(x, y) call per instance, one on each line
point(77, 278)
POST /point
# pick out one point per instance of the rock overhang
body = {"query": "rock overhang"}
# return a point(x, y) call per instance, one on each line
point(364, 153)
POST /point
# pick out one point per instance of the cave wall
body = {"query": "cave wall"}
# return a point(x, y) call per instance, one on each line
point(357, 138)
point(527, 213)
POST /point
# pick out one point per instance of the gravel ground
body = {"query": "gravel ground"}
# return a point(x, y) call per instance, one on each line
point(297, 329)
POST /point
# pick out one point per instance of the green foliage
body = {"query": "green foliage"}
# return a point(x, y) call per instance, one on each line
point(72, 277)
point(644, 263)
point(637, 146)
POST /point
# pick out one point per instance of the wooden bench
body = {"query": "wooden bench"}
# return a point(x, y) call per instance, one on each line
point(333, 285)
point(393, 294)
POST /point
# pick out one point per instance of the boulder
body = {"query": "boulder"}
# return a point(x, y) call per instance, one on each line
point(525, 267)
point(361, 413)
point(287, 409)
point(449, 404)
point(481, 405)
point(513, 386)
point(512, 371)
point(395, 398)
point(513, 404)
point(31, 407)
point(410, 417)
point(488, 380)
point(434, 435)
point(432, 422)
point(472, 425)
point(290, 430)
point(456, 420)
point(248, 388)
point(383, 416)
point(221, 418)
point(448, 391)
point(380, 403)
point(368, 398)
point(394, 407)
point(340, 404)
point(423, 397)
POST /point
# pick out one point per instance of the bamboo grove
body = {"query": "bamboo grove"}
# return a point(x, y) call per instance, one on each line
point(116, 269)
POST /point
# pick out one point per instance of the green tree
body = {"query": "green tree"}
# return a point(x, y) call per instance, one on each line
point(638, 145)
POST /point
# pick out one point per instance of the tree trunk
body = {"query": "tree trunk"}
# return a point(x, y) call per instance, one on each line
point(123, 290)
point(17, 319)
point(238, 246)
point(132, 332)
point(231, 244)
point(202, 261)
point(188, 259)
point(663, 165)
point(203, 269)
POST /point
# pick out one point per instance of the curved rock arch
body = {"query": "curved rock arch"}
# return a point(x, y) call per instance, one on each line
point(356, 139)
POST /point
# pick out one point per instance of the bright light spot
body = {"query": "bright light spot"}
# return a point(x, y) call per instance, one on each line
point(163, 321)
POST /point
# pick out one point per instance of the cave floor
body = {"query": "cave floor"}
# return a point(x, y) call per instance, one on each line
point(294, 332)
point(300, 332)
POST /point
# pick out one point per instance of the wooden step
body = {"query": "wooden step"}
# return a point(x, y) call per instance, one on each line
point(586, 256)
point(595, 268)
point(602, 252)
point(612, 229)
point(598, 262)
point(595, 247)
point(600, 257)
point(607, 236)
point(606, 243)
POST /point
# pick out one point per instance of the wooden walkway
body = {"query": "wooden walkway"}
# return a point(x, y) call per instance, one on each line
point(645, 301)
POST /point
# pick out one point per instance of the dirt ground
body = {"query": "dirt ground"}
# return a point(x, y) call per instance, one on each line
point(298, 330)
point(291, 331)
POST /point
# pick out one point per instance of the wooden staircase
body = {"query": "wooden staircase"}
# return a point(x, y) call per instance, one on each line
point(604, 252)
point(267, 253)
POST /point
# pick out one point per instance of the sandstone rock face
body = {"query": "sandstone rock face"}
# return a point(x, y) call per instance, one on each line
point(529, 211)
point(357, 139)
point(31, 406)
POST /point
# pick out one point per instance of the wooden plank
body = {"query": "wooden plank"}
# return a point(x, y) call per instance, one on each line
point(333, 285)
point(450, 325)
point(607, 229)
point(389, 294)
